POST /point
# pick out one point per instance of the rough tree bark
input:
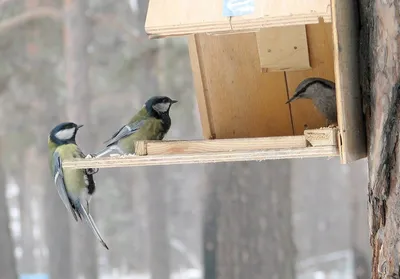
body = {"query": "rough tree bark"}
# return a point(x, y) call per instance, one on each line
point(7, 260)
point(380, 72)
point(252, 222)
point(77, 36)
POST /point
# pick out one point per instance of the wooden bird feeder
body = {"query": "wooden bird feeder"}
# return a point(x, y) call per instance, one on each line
point(248, 56)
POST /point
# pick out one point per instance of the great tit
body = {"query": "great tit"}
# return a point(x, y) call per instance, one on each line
point(152, 122)
point(74, 186)
point(323, 94)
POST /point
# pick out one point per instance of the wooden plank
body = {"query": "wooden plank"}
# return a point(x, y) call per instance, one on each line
point(317, 137)
point(236, 100)
point(199, 81)
point(283, 48)
point(176, 17)
point(223, 145)
point(323, 143)
point(321, 137)
point(320, 43)
point(350, 115)
point(202, 158)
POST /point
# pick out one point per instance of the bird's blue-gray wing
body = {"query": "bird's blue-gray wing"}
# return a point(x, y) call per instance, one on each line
point(125, 131)
point(60, 183)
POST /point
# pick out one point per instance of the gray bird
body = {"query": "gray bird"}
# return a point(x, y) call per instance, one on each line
point(323, 94)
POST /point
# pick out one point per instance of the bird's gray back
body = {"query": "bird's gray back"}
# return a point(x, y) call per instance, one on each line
point(325, 101)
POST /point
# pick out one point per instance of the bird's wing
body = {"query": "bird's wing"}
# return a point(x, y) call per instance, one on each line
point(88, 218)
point(125, 131)
point(60, 184)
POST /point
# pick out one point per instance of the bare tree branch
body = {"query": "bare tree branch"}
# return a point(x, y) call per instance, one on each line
point(37, 13)
point(116, 23)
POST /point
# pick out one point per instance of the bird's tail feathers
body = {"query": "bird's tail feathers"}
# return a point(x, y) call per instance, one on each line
point(92, 225)
point(103, 152)
point(108, 150)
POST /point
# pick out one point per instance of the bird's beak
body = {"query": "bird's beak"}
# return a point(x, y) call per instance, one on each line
point(79, 126)
point(294, 97)
point(173, 101)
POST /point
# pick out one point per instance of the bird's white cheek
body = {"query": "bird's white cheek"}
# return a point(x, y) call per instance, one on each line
point(161, 107)
point(65, 134)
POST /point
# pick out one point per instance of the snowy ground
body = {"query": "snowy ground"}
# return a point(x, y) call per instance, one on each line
point(183, 274)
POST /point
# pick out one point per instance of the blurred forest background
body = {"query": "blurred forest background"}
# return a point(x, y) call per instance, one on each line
point(91, 62)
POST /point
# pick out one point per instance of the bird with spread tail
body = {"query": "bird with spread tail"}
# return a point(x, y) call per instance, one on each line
point(152, 122)
point(74, 186)
point(322, 92)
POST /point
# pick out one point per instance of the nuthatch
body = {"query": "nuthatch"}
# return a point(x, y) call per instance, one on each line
point(74, 186)
point(323, 94)
point(152, 122)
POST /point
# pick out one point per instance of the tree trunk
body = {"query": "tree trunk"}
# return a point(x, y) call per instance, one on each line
point(7, 260)
point(158, 220)
point(156, 176)
point(357, 179)
point(380, 72)
point(77, 35)
point(28, 261)
point(217, 176)
point(253, 222)
point(58, 234)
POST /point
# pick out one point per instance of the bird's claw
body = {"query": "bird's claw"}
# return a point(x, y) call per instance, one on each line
point(91, 171)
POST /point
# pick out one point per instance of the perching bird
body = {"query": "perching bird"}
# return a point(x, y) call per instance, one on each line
point(74, 186)
point(323, 94)
point(152, 122)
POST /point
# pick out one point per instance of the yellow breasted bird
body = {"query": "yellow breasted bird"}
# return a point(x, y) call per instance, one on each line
point(152, 122)
point(74, 186)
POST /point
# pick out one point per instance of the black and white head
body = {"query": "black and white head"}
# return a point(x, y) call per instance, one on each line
point(64, 133)
point(311, 88)
point(159, 104)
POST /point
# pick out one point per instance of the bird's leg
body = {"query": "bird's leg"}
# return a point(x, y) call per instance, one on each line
point(90, 171)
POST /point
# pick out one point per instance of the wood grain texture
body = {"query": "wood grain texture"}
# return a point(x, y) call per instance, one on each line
point(203, 158)
point(222, 150)
point(175, 17)
point(283, 48)
point(320, 44)
point(380, 83)
point(199, 81)
point(238, 100)
point(349, 102)
point(316, 137)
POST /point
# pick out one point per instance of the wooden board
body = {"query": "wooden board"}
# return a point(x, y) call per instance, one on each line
point(350, 114)
point(283, 48)
point(323, 144)
point(320, 44)
point(315, 137)
point(203, 158)
point(235, 98)
point(176, 17)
